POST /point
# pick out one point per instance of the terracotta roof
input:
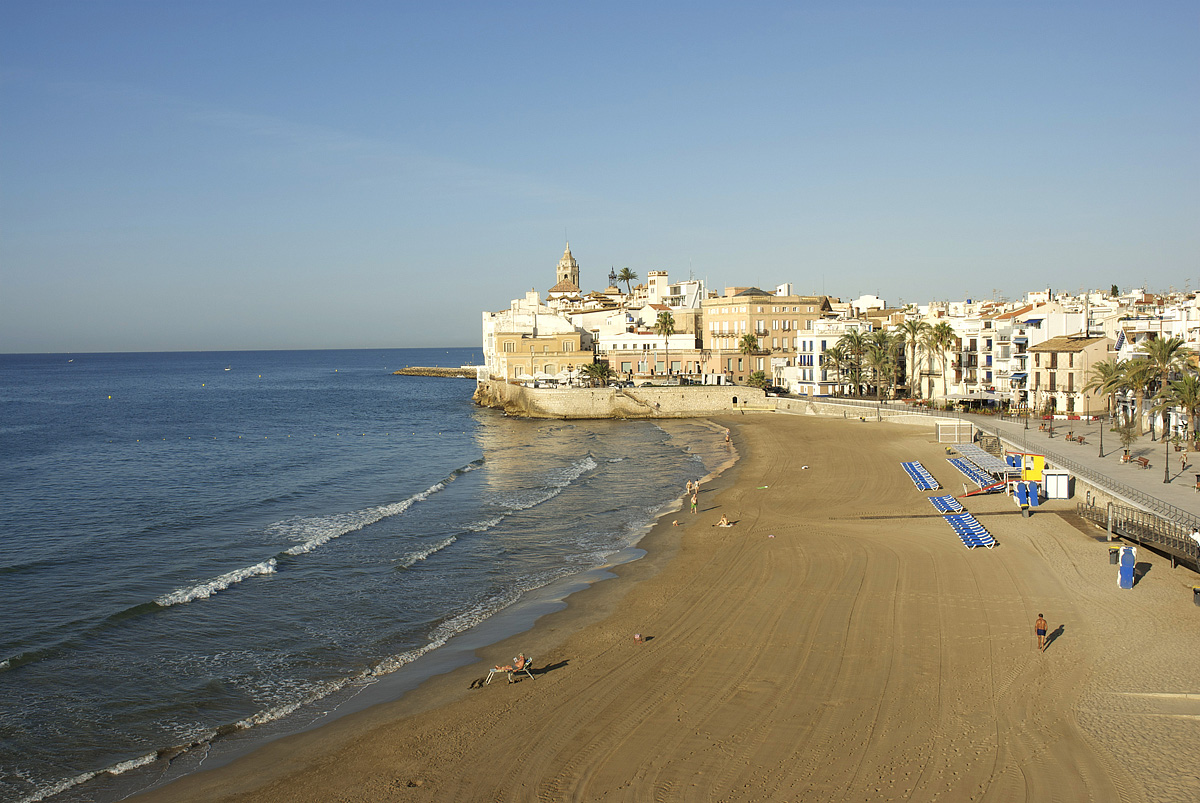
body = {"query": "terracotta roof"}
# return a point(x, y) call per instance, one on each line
point(564, 287)
point(1019, 311)
point(1074, 343)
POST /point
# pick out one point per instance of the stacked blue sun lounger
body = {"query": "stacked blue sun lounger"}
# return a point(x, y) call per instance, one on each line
point(970, 531)
point(920, 477)
point(946, 504)
point(972, 472)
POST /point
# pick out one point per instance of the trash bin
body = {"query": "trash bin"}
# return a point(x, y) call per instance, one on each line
point(1196, 595)
point(1114, 553)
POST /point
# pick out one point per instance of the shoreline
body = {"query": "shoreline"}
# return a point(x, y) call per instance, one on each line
point(438, 669)
point(792, 657)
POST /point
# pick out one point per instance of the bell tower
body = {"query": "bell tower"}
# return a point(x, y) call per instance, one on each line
point(568, 268)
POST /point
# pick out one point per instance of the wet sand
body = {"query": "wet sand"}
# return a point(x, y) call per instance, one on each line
point(837, 643)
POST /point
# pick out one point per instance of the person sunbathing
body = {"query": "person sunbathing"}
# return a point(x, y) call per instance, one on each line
point(724, 522)
point(516, 666)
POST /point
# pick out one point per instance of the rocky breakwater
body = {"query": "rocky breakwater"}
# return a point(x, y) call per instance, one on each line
point(466, 372)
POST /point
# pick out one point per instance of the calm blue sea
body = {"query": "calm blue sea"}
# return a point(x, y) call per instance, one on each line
point(199, 546)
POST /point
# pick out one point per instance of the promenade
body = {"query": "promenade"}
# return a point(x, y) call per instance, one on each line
point(1127, 480)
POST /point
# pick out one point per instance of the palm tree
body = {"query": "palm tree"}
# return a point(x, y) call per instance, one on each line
point(944, 339)
point(748, 345)
point(629, 277)
point(880, 361)
point(1138, 375)
point(597, 373)
point(834, 357)
point(1166, 354)
point(1185, 393)
point(912, 331)
point(881, 355)
point(929, 345)
point(665, 327)
point(1106, 377)
point(854, 345)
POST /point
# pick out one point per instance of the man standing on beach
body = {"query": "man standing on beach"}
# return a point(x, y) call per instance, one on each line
point(693, 502)
point(1039, 627)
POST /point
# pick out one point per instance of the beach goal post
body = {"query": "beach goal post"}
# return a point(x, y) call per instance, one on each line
point(955, 432)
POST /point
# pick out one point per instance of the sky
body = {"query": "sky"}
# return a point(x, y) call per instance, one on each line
point(271, 175)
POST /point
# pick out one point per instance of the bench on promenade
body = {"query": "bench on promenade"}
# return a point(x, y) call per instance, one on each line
point(1142, 462)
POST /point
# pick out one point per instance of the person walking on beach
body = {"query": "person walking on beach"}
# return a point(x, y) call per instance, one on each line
point(689, 487)
point(693, 502)
point(1039, 627)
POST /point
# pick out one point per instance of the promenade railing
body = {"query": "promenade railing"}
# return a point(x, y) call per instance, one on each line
point(1151, 503)
point(989, 424)
point(1146, 528)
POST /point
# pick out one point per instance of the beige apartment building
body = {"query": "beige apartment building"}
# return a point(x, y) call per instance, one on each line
point(1059, 370)
point(777, 321)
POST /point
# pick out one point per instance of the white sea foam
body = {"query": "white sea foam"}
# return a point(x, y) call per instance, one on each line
point(315, 531)
point(207, 589)
point(64, 785)
point(555, 483)
point(420, 555)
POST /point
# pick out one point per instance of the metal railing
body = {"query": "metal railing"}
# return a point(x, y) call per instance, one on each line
point(1129, 493)
point(1145, 528)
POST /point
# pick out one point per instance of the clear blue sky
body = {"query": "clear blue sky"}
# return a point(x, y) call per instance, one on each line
point(234, 175)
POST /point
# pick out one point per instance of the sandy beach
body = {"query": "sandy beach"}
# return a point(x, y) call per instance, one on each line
point(837, 643)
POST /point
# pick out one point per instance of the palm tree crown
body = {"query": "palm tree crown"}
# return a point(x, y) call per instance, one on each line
point(629, 277)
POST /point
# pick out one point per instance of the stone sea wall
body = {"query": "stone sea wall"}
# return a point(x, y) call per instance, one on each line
point(650, 402)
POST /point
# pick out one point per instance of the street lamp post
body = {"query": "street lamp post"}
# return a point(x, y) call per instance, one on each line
point(1166, 457)
point(1102, 436)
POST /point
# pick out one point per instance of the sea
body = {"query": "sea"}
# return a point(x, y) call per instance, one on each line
point(203, 551)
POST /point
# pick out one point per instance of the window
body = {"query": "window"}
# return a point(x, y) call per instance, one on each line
point(1071, 360)
point(567, 346)
point(510, 346)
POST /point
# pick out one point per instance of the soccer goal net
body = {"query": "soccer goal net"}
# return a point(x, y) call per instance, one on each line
point(955, 432)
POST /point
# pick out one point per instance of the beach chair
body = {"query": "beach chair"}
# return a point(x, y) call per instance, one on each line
point(524, 670)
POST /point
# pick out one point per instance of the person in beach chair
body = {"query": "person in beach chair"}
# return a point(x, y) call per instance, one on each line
point(519, 666)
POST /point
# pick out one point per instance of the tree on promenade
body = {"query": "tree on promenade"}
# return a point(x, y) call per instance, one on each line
point(854, 346)
point(1106, 377)
point(1185, 393)
point(629, 277)
point(833, 358)
point(942, 340)
point(912, 331)
point(1137, 376)
point(597, 373)
point(758, 379)
point(929, 348)
point(664, 326)
point(1167, 355)
point(880, 358)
